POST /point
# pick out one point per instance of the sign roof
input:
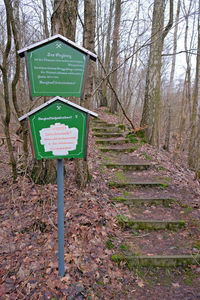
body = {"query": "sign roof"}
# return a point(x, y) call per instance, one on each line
point(53, 100)
point(67, 41)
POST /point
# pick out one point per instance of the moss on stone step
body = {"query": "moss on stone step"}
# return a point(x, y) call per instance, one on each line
point(104, 124)
point(124, 150)
point(112, 142)
point(129, 166)
point(125, 222)
point(105, 129)
point(136, 184)
point(157, 260)
point(166, 202)
point(121, 127)
point(108, 135)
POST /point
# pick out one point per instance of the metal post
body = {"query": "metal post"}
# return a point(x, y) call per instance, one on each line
point(60, 184)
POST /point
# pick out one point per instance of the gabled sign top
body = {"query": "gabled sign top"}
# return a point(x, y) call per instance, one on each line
point(57, 67)
point(62, 38)
point(53, 100)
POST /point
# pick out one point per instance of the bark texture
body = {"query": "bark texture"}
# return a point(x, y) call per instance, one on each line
point(63, 20)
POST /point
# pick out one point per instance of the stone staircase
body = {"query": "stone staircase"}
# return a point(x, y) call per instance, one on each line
point(147, 209)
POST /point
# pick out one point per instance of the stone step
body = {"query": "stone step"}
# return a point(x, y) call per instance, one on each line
point(105, 129)
point(157, 260)
point(126, 222)
point(112, 141)
point(108, 134)
point(102, 125)
point(129, 166)
point(137, 184)
point(165, 201)
point(119, 149)
point(98, 121)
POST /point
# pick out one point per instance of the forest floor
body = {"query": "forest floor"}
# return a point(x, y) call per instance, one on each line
point(28, 233)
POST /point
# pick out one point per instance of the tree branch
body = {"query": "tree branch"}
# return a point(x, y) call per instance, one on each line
point(170, 23)
point(117, 98)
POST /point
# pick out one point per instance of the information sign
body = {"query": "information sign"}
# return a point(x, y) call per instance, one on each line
point(58, 131)
point(56, 69)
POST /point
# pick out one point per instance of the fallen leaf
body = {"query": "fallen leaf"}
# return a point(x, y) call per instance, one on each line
point(176, 285)
point(140, 282)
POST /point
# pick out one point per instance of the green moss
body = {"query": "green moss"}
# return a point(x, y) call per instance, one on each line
point(188, 209)
point(99, 282)
point(146, 156)
point(122, 127)
point(140, 133)
point(167, 179)
point(163, 185)
point(124, 247)
point(109, 244)
point(143, 141)
point(120, 176)
point(127, 194)
point(124, 221)
point(89, 175)
point(189, 276)
point(108, 159)
point(108, 112)
point(117, 258)
point(195, 223)
point(119, 199)
point(196, 245)
point(132, 138)
point(160, 168)
point(197, 175)
point(111, 237)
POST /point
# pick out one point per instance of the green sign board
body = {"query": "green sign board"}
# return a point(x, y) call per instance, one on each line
point(58, 131)
point(56, 69)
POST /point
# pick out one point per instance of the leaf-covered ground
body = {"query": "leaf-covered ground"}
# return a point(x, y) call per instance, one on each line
point(28, 236)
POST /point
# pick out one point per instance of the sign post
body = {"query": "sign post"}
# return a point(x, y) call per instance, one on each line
point(58, 128)
point(61, 233)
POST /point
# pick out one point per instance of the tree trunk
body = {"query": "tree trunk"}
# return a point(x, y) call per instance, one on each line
point(196, 93)
point(104, 96)
point(3, 68)
point(63, 20)
point(89, 44)
point(115, 56)
point(152, 100)
point(171, 85)
point(46, 30)
point(81, 167)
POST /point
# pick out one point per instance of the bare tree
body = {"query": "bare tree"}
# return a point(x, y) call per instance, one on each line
point(115, 55)
point(81, 166)
point(6, 95)
point(171, 82)
point(152, 101)
point(196, 93)
point(46, 29)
